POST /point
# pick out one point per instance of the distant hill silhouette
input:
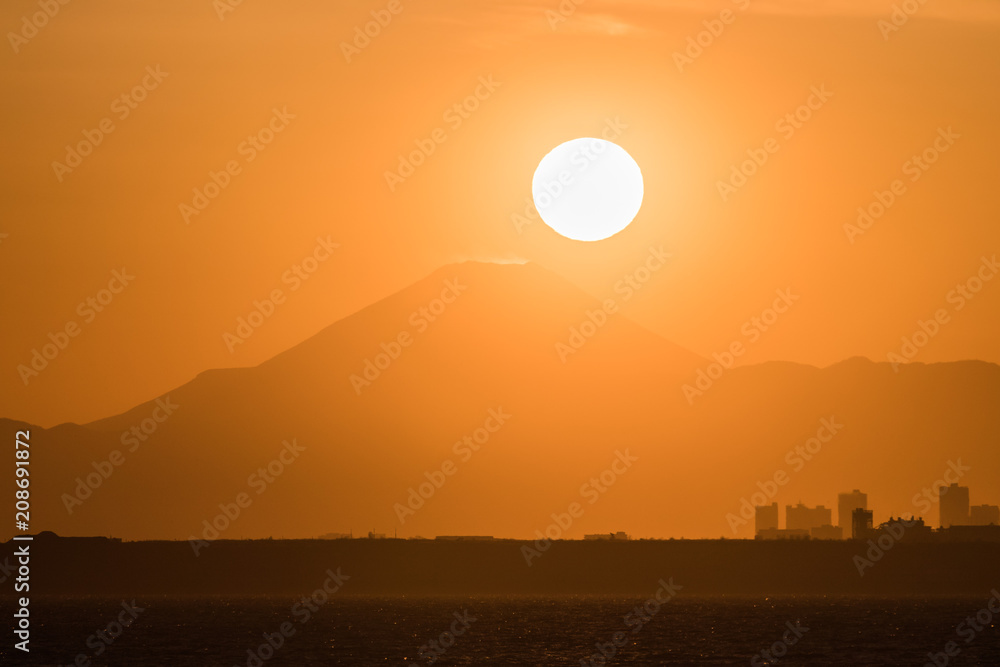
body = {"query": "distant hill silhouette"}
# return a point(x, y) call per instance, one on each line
point(494, 347)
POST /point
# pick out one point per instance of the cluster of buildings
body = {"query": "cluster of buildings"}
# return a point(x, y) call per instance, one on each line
point(383, 536)
point(958, 520)
point(620, 536)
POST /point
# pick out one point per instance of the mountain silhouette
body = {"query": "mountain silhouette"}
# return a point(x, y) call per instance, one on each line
point(375, 404)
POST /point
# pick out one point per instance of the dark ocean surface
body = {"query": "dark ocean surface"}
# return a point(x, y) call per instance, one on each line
point(348, 630)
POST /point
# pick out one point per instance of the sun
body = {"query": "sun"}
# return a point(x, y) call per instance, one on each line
point(587, 189)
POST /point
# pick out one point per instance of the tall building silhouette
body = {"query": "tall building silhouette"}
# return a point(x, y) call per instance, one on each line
point(806, 518)
point(861, 524)
point(954, 505)
point(984, 515)
point(765, 517)
point(846, 504)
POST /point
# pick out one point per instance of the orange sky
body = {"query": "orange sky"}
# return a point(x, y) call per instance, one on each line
point(343, 125)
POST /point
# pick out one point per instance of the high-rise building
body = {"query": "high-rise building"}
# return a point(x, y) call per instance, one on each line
point(861, 524)
point(806, 518)
point(846, 504)
point(984, 515)
point(765, 517)
point(954, 505)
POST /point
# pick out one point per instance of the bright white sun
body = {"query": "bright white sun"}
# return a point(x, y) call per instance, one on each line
point(587, 189)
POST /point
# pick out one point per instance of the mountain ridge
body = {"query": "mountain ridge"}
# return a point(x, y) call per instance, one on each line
point(362, 448)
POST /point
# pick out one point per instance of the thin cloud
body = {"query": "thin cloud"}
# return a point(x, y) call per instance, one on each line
point(492, 23)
